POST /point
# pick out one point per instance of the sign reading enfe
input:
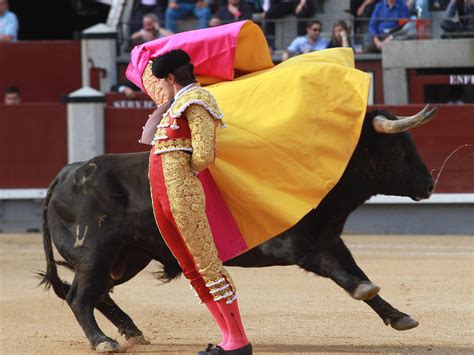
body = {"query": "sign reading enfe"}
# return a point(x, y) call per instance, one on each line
point(461, 79)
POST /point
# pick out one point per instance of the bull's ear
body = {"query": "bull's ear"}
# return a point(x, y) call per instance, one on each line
point(383, 125)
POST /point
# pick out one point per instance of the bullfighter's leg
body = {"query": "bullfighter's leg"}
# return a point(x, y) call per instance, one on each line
point(179, 207)
point(87, 288)
point(121, 320)
point(389, 314)
point(326, 265)
point(181, 218)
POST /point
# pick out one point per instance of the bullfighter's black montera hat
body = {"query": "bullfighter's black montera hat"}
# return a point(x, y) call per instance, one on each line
point(170, 61)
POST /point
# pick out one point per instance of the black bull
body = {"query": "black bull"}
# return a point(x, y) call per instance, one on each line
point(99, 216)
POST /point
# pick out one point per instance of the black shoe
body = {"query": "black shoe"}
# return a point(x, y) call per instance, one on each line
point(244, 350)
point(211, 350)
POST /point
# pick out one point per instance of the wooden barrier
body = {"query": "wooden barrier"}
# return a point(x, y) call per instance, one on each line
point(35, 144)
point(41, 70)
point(123, 128)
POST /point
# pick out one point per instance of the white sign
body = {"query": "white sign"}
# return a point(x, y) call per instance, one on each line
point(465, 79)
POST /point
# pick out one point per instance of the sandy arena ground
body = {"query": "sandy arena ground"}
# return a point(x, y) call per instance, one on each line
point(284, 309)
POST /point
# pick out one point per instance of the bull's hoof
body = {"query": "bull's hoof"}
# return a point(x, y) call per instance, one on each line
point(109, 346)
point(138, 340)
point(404, 323)
point(365, 291)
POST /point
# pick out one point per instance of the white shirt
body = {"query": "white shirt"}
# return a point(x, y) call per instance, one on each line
point(149, 2)
point(9, 25)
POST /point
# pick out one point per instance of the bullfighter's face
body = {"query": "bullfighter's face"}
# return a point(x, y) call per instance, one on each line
point(166, 84)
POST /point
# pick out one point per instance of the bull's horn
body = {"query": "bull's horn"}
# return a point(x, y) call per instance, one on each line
point(383, 125)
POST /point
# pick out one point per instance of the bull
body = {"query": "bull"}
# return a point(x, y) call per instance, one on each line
point(98, 214)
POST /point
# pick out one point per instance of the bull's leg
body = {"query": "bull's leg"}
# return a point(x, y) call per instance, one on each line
point(121, 320)
point(86, 289)
point(390, 315)
point(326, 265)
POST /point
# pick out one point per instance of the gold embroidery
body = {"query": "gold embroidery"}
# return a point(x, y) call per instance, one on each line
point(173, 144)
point(203, 136)
point(150, 82)
point(161, 128)
point(195, 95)
point(188, 206)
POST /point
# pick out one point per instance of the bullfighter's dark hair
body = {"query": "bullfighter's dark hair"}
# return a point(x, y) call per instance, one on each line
point(176, 62)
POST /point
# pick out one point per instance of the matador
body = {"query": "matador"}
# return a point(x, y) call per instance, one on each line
point(184, 145)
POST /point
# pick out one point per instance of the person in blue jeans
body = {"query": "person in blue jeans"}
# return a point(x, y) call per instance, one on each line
point(179, 9)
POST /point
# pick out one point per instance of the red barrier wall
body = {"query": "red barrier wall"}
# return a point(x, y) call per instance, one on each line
point(42, 70)
point(34, 144)
point(123, 129)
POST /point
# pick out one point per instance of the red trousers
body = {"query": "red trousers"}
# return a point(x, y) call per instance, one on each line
point(169, 230)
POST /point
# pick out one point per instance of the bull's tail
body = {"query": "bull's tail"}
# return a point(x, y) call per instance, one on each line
point(51, 277)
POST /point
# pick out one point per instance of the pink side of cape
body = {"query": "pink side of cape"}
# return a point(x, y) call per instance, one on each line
point(212, 51)
point(227, 237)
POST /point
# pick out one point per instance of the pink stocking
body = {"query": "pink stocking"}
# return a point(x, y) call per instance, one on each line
point(236, 333)
point(219, 318)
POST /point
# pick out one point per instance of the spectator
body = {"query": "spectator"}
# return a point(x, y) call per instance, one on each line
point(151, 30)
point(362, 8)
point(384, 19)
point(8, 23)
point(465, 11)
point(215, 21)
point(234, 10)
point(340, 35)
point(309, 43)
point(179, 9)
point(419, 8)
point(143, 7)
point(362, 11)
point(127, 88)
point(279, 8)
point(439, 4)
point(12, 96)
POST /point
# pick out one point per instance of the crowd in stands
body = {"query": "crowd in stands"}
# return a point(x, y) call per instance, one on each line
point(379, 19)
point(376, 21)
point(382, 20)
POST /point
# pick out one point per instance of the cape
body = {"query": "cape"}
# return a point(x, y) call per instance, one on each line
point(292, 129)
point(291, 132)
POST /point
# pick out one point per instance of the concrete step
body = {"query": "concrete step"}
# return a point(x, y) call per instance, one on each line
point(335, 6)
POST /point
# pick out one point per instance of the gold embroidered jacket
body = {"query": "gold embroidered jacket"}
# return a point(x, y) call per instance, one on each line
point(190, 125)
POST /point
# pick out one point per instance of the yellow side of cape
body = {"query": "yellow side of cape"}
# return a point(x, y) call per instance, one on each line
point(291, 132)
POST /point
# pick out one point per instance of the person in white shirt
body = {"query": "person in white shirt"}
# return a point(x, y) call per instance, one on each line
point(309, 43)
point(8, 23)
